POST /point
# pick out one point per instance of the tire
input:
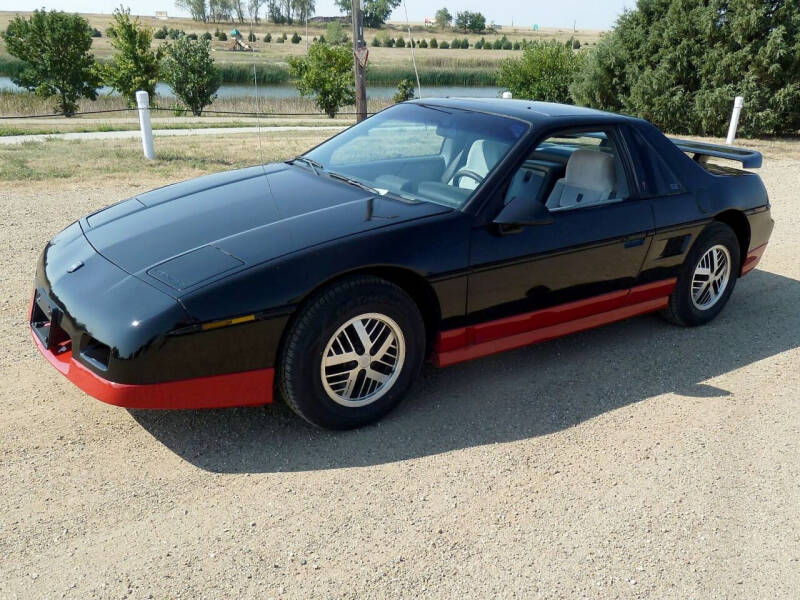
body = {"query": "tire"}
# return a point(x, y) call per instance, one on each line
point(693, 302)
point(328, 330)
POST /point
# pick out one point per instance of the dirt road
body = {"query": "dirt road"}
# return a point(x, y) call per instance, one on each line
point(639, 460)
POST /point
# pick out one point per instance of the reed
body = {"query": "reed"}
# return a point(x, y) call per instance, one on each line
point(26, 103)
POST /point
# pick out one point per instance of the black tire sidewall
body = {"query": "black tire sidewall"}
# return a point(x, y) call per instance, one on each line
point(681, 300)
point(301, 379)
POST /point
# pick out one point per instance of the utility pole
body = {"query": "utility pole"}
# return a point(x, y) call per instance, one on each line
point(360, 55)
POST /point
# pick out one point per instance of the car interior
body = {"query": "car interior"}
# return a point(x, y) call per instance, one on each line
point(568, 170)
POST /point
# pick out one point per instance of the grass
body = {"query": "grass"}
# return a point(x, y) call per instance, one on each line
point(25, 104)
point(94, 161)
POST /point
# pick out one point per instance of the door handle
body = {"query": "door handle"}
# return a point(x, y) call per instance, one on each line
point(633, 242)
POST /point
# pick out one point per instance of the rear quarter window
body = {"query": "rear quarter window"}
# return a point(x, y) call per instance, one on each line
point(656, 177)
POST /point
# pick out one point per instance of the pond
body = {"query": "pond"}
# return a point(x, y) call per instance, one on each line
point(288, 91)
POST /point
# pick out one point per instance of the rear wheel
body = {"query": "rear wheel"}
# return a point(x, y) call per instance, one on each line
point(352, 353)
point(707, 277)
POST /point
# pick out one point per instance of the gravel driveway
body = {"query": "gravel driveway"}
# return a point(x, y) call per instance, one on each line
point(635, 460)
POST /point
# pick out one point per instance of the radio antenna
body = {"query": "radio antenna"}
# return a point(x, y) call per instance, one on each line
point(413, 57)
point(258, 118)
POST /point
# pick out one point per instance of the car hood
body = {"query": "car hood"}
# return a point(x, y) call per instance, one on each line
point(183, 236)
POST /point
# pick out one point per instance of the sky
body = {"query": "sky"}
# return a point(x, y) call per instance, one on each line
point(589, 14)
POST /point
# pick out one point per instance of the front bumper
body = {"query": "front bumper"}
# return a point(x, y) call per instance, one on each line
point(249, 388)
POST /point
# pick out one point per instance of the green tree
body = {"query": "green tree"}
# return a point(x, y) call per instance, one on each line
point(196, 8)
point(54, 47)
point(134, 66)
point(327, 74)
point(680, 63)
point(443, 18)
point(543, 72)
point(375, 12)
point(477, 22)
point(189, 70)
point(405, 91)
point(462, 20)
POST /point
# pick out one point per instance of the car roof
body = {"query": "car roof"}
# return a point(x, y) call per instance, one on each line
point(527, 110)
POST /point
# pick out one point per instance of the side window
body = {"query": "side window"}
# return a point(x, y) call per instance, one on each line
point(656, 177)
point(589, 167)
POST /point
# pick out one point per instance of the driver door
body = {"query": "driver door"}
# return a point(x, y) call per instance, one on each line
point(582, 262)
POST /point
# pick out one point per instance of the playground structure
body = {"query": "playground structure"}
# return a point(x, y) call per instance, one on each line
point(239, 45)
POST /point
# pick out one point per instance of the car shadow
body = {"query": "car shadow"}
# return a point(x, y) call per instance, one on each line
point(507, 397)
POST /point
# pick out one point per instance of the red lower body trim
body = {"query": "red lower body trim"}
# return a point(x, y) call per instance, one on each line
point(236, 389)
point(752, 258)
point(466, 343)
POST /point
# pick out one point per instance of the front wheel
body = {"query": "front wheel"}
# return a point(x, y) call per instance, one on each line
point(352, 353)
point(707, 277)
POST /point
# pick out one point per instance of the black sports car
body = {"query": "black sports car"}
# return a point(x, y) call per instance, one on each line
point(442, 229)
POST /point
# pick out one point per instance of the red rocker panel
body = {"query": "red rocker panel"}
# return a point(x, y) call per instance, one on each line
point(466, 343)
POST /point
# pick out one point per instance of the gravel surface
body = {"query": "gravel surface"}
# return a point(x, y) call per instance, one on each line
point(639, 460)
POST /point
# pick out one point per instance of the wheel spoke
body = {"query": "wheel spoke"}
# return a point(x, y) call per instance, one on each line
point(339, 359)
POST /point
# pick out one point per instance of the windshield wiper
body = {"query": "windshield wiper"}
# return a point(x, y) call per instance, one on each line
point(315, 166)
point(351, 181)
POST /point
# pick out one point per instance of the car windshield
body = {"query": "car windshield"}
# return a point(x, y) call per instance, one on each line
point(418, 152)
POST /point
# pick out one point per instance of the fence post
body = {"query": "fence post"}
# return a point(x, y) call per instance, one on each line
point(738, 103)
point(143, 103)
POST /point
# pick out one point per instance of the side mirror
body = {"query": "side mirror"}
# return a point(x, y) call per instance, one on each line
point(524, 211)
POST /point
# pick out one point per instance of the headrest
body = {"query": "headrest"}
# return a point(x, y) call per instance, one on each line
point(590, 169)
point(484, 155)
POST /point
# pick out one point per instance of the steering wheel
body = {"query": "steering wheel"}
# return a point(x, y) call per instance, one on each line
point(466, 173)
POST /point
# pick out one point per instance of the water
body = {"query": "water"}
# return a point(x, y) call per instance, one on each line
point(289, 91)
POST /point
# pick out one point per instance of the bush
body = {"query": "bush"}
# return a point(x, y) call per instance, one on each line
point(517, 46)
point(206, 36)
point(251, 37)
point(191, 36)
point(375, 42)
point(456, 43)
point(434, 43)
point(488, 46)
point(507, 45)
point(327, 74)
point(109, 31)
point(497, 44)
point(390, 42)
point(217, 32)
point(479, 44)
point(322, 39)
point(543, 72)
point(444, 45)
point(174, 34)
point(681, 67)
point(189, 70)
point(335, 33)
point(423, 44)
point(268, 38)
point(576, 44)
point(280, 40)
point(96, 32)
point(222, 37)
point(400, 43)
point(161, 34)
point(405, 91)
point(295, 38)
point(54, 47)
point(134, 65)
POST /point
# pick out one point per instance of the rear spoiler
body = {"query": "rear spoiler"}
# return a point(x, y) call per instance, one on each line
point(750, 159)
